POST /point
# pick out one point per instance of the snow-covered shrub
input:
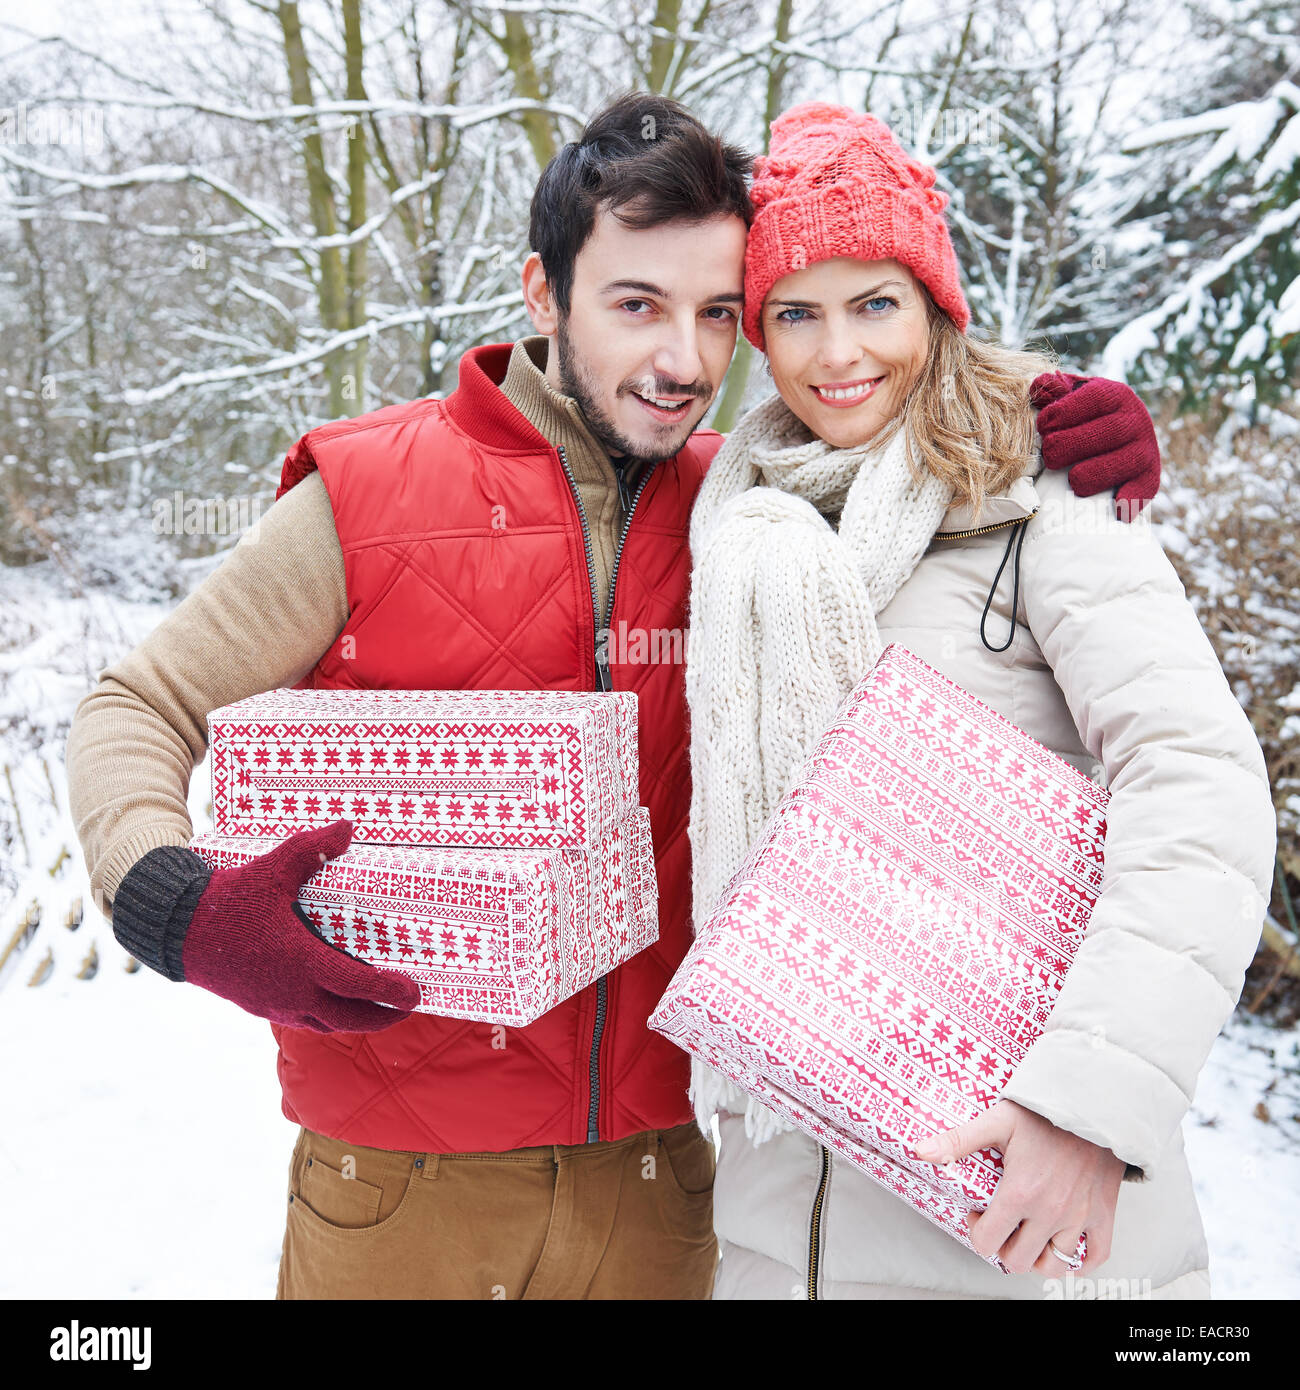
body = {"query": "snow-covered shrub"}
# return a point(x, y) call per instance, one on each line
point(1226, 515)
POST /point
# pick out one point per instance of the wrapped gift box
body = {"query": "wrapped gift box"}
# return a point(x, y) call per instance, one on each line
point(497, 936)
point(524, 769)
point(881, 962)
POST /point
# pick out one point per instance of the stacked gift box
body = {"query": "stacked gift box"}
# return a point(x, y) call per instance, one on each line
point(498, 853)
point(896, 938)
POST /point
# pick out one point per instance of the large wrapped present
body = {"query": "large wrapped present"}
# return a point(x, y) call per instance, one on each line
point(895, 940)
point(526, 769)
point(498, 936)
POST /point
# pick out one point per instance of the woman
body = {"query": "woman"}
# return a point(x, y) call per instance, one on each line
point(890, 492)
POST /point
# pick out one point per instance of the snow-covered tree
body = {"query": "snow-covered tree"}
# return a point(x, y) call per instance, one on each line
point(1224, 324)
point(1017, 105)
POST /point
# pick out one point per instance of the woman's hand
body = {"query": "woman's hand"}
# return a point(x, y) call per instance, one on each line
point(1054, 1186)
point(1102, 433)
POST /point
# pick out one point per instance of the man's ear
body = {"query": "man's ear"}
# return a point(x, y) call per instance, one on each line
point(538, 299)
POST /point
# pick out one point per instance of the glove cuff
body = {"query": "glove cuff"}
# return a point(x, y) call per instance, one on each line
point(154, 905)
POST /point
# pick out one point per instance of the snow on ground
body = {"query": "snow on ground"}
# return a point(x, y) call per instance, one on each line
point(1244, 1166)
point(142, 1149)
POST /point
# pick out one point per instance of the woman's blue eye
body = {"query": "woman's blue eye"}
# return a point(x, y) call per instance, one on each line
point(881, 304)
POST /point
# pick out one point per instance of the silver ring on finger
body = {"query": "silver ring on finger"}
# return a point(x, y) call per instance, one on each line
point(1074, 1261)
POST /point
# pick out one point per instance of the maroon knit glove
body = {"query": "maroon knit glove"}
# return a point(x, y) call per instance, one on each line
point(1101, 432)
point(251, 943)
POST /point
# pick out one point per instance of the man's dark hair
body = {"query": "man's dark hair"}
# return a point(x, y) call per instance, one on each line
point(646, 159)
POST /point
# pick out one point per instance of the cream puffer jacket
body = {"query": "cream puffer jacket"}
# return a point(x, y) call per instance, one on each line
point(1109, 668)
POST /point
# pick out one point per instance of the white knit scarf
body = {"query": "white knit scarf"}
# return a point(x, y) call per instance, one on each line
point(782, 627)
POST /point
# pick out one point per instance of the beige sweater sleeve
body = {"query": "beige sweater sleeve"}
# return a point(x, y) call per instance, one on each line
point(260, 621)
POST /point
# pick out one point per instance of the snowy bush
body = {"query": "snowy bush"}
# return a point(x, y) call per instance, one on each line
point(1226, 517)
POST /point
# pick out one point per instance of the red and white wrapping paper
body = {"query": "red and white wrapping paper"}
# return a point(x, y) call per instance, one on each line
point(523, 769)
point(881, 962)
point(496, 936)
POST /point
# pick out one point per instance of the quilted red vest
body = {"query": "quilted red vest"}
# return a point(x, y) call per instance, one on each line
point(467, 568)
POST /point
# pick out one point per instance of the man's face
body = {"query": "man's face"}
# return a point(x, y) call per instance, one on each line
point(651, 329)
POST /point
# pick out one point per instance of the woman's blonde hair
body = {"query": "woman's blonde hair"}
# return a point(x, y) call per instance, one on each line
point(968, 414)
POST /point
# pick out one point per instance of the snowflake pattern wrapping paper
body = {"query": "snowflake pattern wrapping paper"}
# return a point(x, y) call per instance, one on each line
point(522, 769)
point(896, 938)
point(495, 936)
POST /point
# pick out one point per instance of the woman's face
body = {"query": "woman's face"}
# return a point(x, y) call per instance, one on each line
point(845, 340)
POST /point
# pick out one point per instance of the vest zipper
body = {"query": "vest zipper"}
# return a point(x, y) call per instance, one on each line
point(604, 681)
point(601, 677)
point(628, 509)
point(815, 1224)
point(982, 530)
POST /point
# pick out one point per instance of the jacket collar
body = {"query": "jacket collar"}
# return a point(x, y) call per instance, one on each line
point(1019, 501)
point(483, 411)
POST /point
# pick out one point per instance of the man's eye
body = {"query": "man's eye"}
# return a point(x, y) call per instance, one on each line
point(626, 302)
point(723, 310)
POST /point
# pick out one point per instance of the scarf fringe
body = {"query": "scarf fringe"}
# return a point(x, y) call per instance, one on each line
point(711, 1092)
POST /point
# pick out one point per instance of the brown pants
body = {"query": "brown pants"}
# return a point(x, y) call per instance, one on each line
point(632, 1218)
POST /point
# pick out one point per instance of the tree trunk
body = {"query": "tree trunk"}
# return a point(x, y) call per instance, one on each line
point(662, 47)
point(355, 373)
point(518, 48)
point(331, 290)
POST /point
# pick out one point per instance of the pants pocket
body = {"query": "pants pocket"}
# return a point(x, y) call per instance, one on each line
point(662, 1244)
point(338, 1196)
point(352, 1229)
point(349, 1187)
point(688, 1159)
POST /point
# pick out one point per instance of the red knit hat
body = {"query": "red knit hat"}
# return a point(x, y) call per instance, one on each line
point(837, 183)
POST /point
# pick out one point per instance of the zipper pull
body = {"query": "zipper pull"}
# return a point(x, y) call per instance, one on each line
point(604, 677)
point(624, 496)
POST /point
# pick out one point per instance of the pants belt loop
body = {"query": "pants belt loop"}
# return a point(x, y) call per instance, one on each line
point(427, 1164)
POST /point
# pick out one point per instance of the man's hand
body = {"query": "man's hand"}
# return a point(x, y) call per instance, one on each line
point(251, 943)
point(1054, 1186)
point(1102, 433)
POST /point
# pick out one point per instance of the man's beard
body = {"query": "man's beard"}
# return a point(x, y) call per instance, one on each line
point(576, 381)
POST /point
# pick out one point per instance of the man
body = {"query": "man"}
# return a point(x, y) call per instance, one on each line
point(489, 540)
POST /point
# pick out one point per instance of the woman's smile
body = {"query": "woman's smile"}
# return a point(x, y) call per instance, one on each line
point(846, 394)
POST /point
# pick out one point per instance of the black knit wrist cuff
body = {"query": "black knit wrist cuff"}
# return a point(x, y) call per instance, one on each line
point(154, 903)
